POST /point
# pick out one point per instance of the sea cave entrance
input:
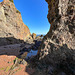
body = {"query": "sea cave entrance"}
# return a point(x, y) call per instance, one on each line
point(34, 15)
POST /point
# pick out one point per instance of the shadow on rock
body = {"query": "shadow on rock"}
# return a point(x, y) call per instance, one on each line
point(59, 62)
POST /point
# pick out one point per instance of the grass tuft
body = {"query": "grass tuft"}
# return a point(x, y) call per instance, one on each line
point(17, 11)
point(11, 1)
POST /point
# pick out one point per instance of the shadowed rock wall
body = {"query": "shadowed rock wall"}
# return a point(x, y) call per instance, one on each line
point(58, 46)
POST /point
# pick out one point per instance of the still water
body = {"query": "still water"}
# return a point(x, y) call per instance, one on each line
point(31, 53)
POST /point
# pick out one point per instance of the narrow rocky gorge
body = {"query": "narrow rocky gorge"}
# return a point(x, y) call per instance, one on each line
point(56, 52)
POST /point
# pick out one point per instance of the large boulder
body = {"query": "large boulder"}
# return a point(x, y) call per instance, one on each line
point(11, 24)
point(33, 35)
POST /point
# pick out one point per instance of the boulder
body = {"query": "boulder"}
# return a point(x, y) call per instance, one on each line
point(33, 35)
point(41, 35)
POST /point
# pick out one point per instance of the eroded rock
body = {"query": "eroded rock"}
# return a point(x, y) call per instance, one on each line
point(11, 24)
point(58, 46)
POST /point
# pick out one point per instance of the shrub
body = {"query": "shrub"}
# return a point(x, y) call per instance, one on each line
point(17, 11)
point(11, 0)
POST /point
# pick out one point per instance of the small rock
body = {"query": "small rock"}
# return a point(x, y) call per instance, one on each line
point(61, 73)
point(9, 62)
point(25, 50)
point(50, 70)
point(41, 35)
point(23, 62)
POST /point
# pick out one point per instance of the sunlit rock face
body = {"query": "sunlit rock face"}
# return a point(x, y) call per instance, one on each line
point(11, 24)
point(61, 16)
point(59, 44)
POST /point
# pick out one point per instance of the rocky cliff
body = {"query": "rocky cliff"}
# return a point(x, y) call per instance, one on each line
point(58, 46)
point(11, 24)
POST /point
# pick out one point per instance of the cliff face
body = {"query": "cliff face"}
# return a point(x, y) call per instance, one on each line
point(59, 44)
point(62, 19)
point(11, 24)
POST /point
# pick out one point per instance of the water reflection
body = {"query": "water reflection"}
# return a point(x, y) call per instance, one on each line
point(31, 53)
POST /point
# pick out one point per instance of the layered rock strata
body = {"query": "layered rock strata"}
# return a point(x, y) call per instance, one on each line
point(11, 24)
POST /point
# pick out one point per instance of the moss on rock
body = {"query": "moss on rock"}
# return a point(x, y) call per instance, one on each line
point(11, 1)
point(17, 11)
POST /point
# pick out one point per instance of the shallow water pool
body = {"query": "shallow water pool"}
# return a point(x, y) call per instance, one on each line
point(31, 53)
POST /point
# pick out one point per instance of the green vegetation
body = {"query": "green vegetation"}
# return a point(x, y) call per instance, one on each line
point(1, 68)
point(13, 72)
point(15, 60)
point(11, 1)
point(7, 68)
point(17, 11)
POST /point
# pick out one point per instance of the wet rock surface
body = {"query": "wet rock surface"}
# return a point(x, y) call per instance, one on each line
point(31, 47)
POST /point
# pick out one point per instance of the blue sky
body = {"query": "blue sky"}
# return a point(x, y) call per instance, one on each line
point(34, 15)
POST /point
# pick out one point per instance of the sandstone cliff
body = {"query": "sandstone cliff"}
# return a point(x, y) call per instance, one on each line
point(58, 46)
point(11, 24)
